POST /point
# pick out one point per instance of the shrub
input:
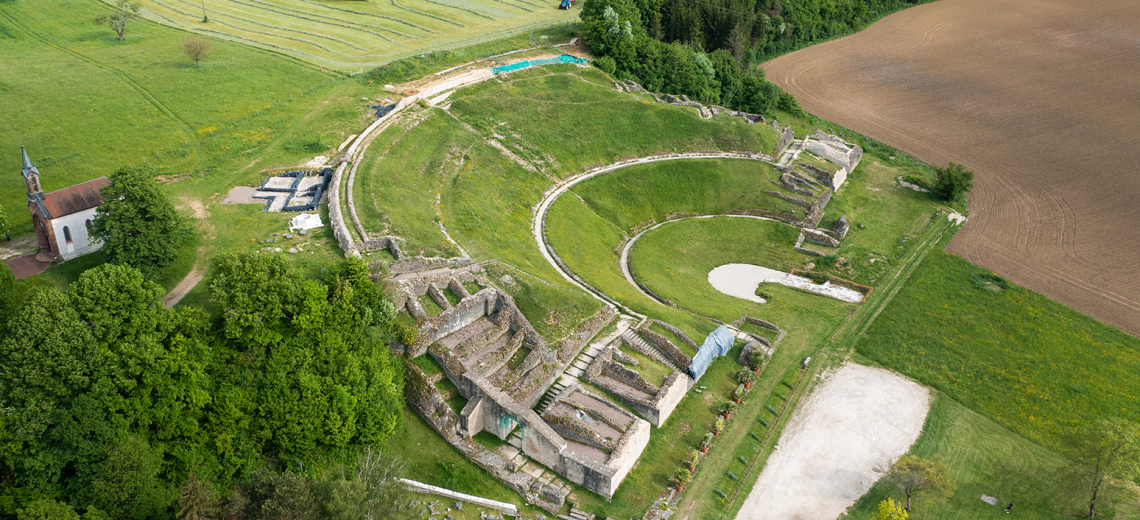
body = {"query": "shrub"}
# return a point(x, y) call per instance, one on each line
point(606, 64)
point(756, 359)
point(725, 407)
point(952, 182)
point(681, 477)
point(745, 376)
point(739, 393)
point(719, 426)
point(707, 441)
point(693, 460)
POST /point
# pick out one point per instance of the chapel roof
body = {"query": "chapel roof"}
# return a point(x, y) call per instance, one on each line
point(75, 198)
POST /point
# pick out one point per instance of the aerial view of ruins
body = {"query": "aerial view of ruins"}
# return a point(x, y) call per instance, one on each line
point(573, 259)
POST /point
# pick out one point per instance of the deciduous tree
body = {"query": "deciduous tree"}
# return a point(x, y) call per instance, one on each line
point(916, 477)
point(891, 510)
point(953, 181)
point(121, 14)
point(7, 292)
point(1106, 450)
point(137, 223)
point(197, 48)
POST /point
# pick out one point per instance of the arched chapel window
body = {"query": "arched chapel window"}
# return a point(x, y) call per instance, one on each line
point(67, 234)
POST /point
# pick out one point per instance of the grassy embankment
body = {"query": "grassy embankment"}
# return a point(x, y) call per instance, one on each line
point(674, 261)
point(486, 197)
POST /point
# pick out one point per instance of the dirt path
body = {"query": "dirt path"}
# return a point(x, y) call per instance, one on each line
point(1038, 97)
point(837, 444)
point(196, 274)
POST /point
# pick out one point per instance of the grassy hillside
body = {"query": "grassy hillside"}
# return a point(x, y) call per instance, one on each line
point(85, 104)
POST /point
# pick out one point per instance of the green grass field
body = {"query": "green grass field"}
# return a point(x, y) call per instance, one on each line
point(983, 458)
point(1029, 363)
point(352, 35)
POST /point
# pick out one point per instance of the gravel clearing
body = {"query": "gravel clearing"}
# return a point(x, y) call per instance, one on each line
point(742, 280)
point(838, 443)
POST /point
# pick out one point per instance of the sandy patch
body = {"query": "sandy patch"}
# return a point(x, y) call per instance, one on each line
point(837, 444)
point(242, 195)
point(742, 280)
point(18, 246)
point(317, 162)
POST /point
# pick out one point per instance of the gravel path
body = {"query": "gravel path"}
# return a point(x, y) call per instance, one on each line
point(837, 444)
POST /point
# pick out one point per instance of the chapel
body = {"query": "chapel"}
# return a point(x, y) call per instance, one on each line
point(62, 219)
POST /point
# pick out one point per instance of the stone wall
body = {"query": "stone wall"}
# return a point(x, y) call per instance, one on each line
point(666, 347)
point(787, 135)
point(376, 244)
point(679, 333)
point(419, 263)
point(336, 218)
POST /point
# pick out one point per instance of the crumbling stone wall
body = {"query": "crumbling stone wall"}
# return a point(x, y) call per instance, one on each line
point(679, 333)
point(787, 135)
point(336, 218)
point(419, 263)
point(667, 347)
point(387, 242)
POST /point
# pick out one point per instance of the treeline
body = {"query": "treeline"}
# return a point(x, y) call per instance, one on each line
point(115, 406)
point(709, 49)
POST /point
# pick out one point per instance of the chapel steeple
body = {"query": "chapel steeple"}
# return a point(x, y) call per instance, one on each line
point(31, 175)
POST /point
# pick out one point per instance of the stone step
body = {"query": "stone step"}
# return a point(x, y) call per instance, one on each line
point(575, 371)
point(515, 441)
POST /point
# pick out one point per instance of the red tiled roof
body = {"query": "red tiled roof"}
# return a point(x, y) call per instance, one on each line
point(76, 198)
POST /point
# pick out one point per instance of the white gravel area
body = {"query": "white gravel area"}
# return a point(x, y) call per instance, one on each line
point(741, 280)
point(840, 441)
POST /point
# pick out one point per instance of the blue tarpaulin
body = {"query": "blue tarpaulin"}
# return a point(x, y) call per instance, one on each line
point(717, 344)
point(565, 58)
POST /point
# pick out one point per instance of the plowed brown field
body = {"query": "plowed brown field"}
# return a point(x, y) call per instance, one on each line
point(1041, 98)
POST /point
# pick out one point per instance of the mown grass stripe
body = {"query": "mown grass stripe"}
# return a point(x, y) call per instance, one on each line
point(298, 31)
point(388, 17)
point(307, 19)
point(472, 11)
point(337, 20)
point(255, 31)
point(421, 13)
point(516, 6)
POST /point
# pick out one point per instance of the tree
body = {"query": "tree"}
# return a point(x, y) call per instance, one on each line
point(196, 501)
point(47, 509)
point(121, 13)
point(891, 510)
point(137, 223)
point(952, 182)
point(1109, 449)
point(196, 48)
point(126, 483)
point(7, 292)
point(915, 477)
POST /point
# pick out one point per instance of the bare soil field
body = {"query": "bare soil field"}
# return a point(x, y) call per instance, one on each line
point(1039, 97)
point(838, 444)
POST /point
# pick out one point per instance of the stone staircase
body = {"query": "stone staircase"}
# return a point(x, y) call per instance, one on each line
point(639, 344)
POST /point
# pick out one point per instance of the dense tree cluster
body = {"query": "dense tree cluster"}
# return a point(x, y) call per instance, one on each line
point(136, 223)
point(109, 401)
point(709, 49)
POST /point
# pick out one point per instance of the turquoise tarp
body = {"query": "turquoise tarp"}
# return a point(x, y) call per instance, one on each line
point(717, 344)
point(565, 58)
